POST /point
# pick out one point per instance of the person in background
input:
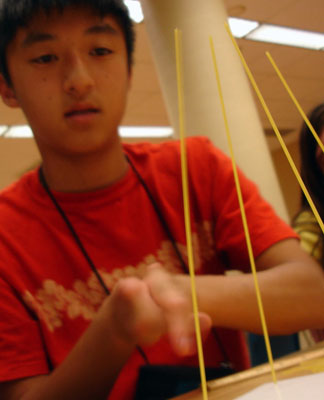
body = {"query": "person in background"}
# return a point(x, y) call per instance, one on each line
point(312, 173)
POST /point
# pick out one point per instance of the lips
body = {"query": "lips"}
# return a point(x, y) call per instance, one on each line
point(80, 111)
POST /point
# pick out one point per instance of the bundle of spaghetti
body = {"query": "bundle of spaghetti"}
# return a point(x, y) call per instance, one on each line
point(184, 171)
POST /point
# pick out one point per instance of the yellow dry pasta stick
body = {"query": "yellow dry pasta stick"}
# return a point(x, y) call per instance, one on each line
point(244, 219)
point(276, 130)
point(295, 101)
point(184, 173)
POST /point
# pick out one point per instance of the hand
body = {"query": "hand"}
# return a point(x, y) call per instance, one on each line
point(135, 316)
point(141, 311)
point(172, 294)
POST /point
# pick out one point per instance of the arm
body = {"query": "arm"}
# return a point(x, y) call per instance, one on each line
point(88, 372)
point(292, 290)
point(128, 317)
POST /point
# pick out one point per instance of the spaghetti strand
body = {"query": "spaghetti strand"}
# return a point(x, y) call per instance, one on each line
point(184, 174)
point(276, 130)
point(318, 140)
point(295, 101)
point(244, 219)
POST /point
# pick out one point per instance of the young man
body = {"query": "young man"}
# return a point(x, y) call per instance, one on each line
point(92, 244)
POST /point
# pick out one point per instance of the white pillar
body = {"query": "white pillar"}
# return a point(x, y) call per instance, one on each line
point(198, 20)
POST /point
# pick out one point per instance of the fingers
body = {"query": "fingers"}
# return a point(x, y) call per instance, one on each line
point(187, 342)
point(172, 299)
point(144, 310)
point(137, 317)
point(172, 294)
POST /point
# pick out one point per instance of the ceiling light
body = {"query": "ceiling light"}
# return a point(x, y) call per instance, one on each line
point(140, 132)
point(241, 27)
point(135, 10)
point(146, 131)
point(3, 129)
point(287, 36)
point(19, 131)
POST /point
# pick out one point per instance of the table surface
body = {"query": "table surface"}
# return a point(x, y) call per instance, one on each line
point(297, 364)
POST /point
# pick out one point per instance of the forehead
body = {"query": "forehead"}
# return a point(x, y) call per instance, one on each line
point(59, 24)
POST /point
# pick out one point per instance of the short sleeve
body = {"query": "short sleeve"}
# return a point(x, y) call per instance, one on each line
point(311, 237)
point(21, 346)
point(265, 227)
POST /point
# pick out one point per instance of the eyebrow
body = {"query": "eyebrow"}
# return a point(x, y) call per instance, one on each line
point(102, 28)
point(38, 37)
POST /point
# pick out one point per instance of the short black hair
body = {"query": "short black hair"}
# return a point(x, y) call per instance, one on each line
point(310, 170)
point(15, 14)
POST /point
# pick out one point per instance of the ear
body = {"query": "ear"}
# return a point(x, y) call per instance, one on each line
point(8, 94)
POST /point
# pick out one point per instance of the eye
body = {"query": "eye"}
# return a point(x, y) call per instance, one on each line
point(45, 59)
point(101, 51)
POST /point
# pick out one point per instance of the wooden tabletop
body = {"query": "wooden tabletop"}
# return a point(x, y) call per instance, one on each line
point(297, 364)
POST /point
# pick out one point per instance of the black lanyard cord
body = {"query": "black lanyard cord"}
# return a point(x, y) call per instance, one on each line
point(94, 268)
point(72, 230)
point(175, 246)
point(81, 246)
point(160, 216)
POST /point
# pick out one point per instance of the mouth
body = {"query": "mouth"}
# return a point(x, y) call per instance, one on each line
point(83, 112)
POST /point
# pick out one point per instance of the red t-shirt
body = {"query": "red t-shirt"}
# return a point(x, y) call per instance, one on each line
point(49, 295)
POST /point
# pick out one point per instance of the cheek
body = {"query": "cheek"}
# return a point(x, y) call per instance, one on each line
point(115, 89)
point(38, 107)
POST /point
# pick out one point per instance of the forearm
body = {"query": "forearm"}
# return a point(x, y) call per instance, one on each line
point(89, 371)
point(137, 313)
point(292, 299)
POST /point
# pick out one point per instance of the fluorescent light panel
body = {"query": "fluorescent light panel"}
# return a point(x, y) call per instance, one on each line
point(19, 131)
point(141, 132)
point(287, 36)
point(3, 129)
point(146, 132)
point(241, 27)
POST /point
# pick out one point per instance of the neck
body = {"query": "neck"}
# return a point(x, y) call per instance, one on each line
point(84, 173)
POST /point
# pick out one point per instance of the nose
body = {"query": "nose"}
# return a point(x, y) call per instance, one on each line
point(78, 81)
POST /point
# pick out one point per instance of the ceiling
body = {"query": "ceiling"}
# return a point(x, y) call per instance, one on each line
point(303, 70)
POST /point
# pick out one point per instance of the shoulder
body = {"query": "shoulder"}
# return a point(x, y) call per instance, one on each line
point(205, 162)
point(310, 233)
point(17, 197)
point(18, 185)
point(305, 221)
point(198, 148)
